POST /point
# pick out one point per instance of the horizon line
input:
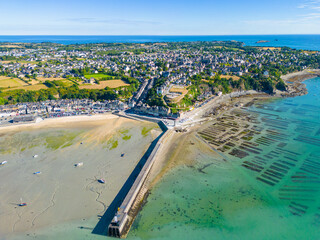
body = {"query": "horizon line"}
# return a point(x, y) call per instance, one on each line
point(182, 35)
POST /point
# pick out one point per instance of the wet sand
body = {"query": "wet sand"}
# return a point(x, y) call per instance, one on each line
point(61, 121)
point(62, 192)
point(181, 149)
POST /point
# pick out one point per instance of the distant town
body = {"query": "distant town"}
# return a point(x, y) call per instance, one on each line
point(155, 79)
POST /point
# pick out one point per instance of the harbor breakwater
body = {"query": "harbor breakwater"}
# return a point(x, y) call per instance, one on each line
point(119, 216)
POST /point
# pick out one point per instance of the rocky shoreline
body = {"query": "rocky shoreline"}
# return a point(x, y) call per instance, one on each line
point(295, 87)
point(294, 82)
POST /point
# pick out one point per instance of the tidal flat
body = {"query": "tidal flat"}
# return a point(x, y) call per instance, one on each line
point(62, 194)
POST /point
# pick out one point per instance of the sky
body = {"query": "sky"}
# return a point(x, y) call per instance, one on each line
point(162, 17)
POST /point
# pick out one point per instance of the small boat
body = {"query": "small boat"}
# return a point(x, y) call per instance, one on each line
point(35, 156)
point(101, 180)
point(22, 204)
point(36, 173)
point(122, 155)
point(79, 164)
point(3, 163)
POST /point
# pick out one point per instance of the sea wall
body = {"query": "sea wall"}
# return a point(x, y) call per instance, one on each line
point(121, 223)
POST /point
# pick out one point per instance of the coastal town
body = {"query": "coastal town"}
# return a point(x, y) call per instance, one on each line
point(166, 80)
point(149, 120)
point(28, 112)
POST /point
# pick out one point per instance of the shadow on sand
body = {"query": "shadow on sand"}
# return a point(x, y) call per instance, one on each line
point(102, 227)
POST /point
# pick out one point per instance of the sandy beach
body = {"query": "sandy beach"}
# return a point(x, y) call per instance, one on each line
point(108, 146)
point(61, 121)
point(301, 76)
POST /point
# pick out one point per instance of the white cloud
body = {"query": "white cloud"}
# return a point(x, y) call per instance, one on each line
point(313, 9)
point(311, 16)
point(270, 21)
point(90, 20)
point(312, 5)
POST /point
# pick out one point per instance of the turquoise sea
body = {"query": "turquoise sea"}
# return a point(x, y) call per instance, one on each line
point(306, 42)
point(276, 197)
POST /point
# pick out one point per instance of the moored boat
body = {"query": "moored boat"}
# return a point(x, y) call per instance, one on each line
point(79, 164)
point(22, 204)
point(3, 163)
point(101, 180)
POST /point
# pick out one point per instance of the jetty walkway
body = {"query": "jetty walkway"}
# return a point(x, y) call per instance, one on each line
point(117, 220)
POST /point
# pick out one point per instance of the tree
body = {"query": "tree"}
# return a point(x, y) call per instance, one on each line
point(281, 85)
point(3, 101)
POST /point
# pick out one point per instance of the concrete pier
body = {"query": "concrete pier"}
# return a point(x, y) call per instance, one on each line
point(126, 212)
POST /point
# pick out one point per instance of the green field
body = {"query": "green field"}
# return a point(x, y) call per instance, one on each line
point(99, 76)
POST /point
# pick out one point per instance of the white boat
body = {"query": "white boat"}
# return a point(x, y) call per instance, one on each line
point(35, 156)
point(79, 164)
point(3, 163)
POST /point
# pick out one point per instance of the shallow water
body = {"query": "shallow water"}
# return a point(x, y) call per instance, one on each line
point(278, 199)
